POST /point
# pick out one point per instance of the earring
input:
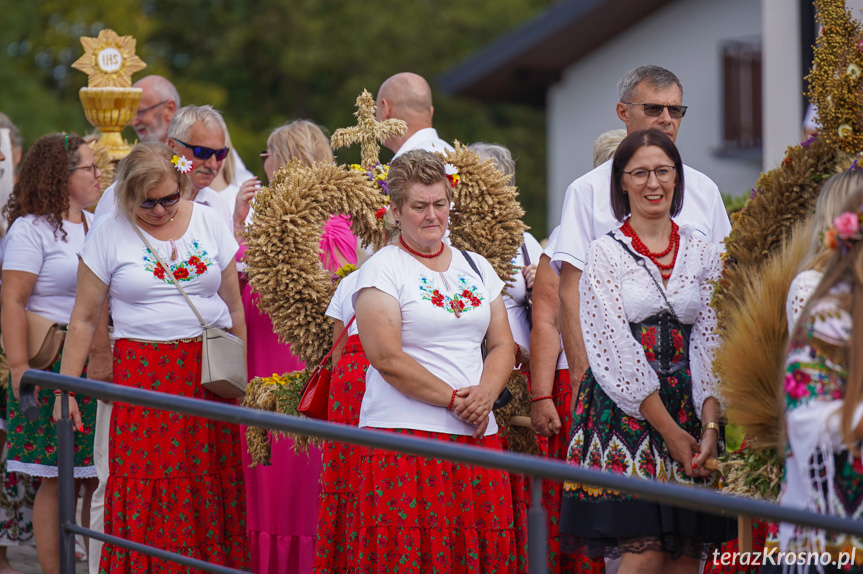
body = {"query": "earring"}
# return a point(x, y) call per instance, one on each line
point(398, 222)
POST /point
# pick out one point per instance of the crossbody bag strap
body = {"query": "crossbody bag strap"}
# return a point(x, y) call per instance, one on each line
point(170, 276)
point(525, 255)
point(339, 340)
point(472, 265)
point(640, 262)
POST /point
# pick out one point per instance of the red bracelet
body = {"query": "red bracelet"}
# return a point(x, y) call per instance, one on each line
point(517, 353)
point(452, 399)
point(58, 392)
point(542, 398)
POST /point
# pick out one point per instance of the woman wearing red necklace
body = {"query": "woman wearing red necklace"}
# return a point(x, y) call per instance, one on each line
point(422, 312)
point(648, 406)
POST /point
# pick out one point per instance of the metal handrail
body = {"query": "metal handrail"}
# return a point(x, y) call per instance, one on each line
point(539, 468)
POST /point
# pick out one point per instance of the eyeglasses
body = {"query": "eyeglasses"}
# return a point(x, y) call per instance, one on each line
point(166, 201)
point(264, 155)
point(140, 113)
point(664, 174)
point(94, 167)
point(202, 152)
point(655, 110)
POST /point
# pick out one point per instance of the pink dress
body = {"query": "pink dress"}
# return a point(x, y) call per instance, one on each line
point(282, 499)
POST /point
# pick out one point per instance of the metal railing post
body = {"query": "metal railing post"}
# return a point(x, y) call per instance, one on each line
point(537, 536)
point(66, 485)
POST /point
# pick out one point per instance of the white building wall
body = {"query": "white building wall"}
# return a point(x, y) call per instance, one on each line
point(684, 37)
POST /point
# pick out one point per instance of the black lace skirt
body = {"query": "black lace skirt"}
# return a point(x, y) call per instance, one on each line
point(599, 522)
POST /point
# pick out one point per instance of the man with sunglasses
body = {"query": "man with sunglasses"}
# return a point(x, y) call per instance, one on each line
point(198, 134)
point(649, 97)
point(159, 102)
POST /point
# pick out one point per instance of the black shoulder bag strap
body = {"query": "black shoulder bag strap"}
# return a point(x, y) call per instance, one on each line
point(505, 395)
point(640, 261)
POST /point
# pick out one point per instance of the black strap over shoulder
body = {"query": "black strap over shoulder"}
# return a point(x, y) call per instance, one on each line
point(640, 261)
point(472, 264)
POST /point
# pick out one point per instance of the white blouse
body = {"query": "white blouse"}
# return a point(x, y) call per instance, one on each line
point(616, 291)
point(515, 297)
point(799, 292)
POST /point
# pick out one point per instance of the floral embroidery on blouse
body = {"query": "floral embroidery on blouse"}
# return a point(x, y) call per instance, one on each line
point(811, 373)
point(466, 297)
point(195, 265)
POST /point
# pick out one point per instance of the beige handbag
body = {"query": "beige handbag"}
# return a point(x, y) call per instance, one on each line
point(223, 356)
point(44, 341)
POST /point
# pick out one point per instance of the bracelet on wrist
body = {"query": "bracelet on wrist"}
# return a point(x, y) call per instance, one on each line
point(451, 400)
point(542, 398)
point(710, 426)
point(517, 353)
point(58, 392)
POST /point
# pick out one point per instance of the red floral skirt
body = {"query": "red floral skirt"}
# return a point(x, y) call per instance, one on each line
point(422, 515)
point(176, 480)
point(335, 549)
point(558, 560)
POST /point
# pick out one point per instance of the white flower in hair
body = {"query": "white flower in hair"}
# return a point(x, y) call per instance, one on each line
point(452, 174)
point(182, 164)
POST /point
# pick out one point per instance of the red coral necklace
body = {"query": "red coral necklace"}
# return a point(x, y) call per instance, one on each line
point(673, 244)
point(417, 253)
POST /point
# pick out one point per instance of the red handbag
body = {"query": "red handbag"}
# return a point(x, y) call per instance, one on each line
point(316, 393)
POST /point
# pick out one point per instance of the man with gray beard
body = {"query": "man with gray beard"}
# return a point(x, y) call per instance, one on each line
point(159, 102)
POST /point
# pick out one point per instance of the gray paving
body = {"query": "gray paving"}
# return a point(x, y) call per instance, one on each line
point(24, 559)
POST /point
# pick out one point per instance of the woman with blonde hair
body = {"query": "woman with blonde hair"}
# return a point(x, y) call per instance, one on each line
point(832, 198)
point(423, 310)
point(823, 391)
point(283, 497)
point(175, 480)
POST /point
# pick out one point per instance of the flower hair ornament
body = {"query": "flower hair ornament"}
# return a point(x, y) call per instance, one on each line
point(844, 231)
point(181, 163)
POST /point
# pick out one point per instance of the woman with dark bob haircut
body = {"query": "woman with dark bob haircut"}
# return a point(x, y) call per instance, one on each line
point(648, 405)
point(627, 148)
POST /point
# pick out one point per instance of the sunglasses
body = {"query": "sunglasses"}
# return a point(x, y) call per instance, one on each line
point(202, 152)
point(655, 110)
point(93, 167)
point(166, 201)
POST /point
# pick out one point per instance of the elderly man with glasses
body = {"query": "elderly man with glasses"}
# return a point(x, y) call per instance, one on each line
point(198, 134)
point(159, 102)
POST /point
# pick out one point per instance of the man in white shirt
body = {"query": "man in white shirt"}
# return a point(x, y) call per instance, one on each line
point(650, 97)
point(407, 97)
point(198, 134)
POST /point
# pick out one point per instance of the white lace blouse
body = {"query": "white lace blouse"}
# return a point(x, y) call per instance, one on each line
point(616, 291)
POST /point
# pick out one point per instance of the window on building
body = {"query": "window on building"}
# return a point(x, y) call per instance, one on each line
point(741, 68)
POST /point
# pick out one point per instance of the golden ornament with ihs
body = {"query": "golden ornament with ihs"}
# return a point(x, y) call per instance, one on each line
point(110, 102)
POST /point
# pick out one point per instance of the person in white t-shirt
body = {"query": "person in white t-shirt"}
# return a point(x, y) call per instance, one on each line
point(422, 313)
point(650, 97)
point(523, 264)
point(158, 347)
point(59, 178)
point(198, 134)
point(407, 97)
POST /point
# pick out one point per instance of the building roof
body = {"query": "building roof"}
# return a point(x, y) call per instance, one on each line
point(521, 65)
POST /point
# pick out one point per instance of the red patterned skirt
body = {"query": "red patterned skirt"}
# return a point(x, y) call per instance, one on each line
point(176, 480)
point(559, 561)
point(335, 549)
point(422, 515)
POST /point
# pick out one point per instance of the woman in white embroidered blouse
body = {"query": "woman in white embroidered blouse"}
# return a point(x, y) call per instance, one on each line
point(176, 481)
point(823, 396)
point(647, 407)
point(422, 312)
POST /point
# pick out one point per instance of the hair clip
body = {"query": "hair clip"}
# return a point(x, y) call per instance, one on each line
point(66, 143)
point(181, 163)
